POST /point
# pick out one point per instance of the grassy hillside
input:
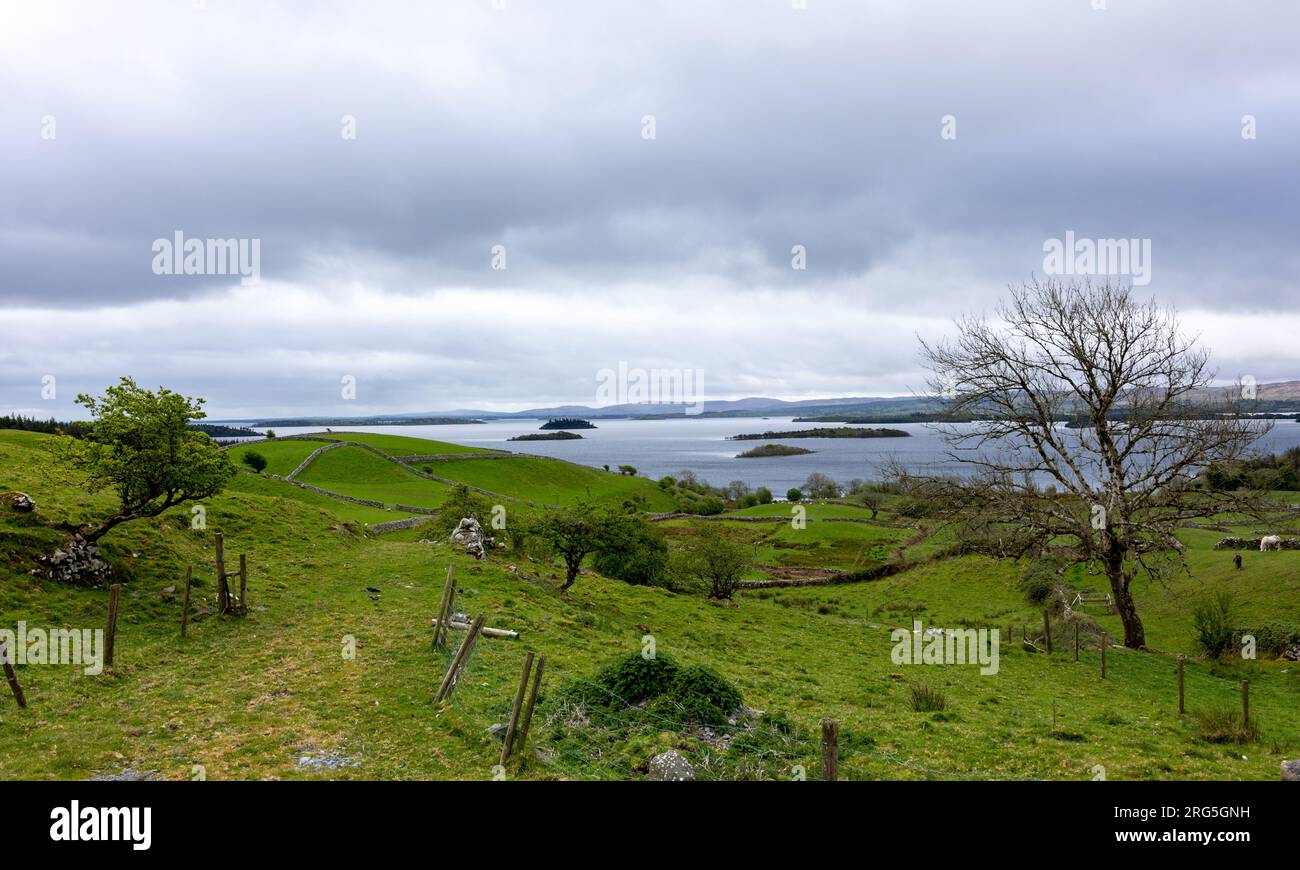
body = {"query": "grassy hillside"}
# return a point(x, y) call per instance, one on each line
point(552, 481)
point(271, 695)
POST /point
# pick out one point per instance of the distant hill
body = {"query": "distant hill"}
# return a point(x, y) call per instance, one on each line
point(1278, 396)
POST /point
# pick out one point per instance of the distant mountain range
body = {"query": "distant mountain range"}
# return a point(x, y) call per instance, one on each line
point(898, 408)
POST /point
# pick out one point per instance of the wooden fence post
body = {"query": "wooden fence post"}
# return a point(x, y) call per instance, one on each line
point(243, 583)
point(441, 628)
point(1104, 643)
point(185, 607)
point(223, 589)
point(1245, 703)
point(1182, 707)
point(532, 699)
point(12, 676)
point(458, 661)
point(514, 711)
point(110, 631)
point(830, 750)
point(1047, 630)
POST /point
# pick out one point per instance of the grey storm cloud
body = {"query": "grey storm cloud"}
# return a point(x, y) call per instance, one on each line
point(522, 126)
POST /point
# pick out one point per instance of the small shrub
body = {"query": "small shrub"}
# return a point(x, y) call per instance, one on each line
point(1039, 582)
point(1212, 619)
point(633, 679)
point(927, 699)
point(700, 696)
point(255, 461)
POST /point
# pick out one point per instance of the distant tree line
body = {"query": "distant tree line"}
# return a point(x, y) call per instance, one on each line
point(1279, 472)
point(75, 428)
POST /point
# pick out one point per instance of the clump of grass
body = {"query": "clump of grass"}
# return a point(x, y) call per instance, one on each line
point(927, 699)
point(1224, 725)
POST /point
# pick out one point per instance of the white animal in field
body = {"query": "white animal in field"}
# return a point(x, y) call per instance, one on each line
point(1270, 542)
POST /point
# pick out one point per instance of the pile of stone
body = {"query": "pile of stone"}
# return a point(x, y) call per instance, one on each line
point(78, 563)
point(19, 501)
point(469, 534)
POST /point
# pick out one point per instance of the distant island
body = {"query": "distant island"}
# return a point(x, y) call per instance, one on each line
point(216, 430)
point(773, 450)
point(547, 436)
point(567, 423)
point(837, 432)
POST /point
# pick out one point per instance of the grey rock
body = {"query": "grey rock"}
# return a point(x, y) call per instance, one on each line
point(1291, 771)
point(19, 501)
point(670, 767)
point(469, 534)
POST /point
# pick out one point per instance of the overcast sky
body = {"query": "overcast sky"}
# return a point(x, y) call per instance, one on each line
point(526, 127)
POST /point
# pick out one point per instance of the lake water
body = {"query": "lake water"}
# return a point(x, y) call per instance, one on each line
point(659, 447)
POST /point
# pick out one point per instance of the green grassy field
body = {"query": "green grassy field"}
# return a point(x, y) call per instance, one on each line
point(252, 697)
point(552, 481)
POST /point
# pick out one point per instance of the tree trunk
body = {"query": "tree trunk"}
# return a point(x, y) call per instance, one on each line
point(1134, 635)
point(570, 574)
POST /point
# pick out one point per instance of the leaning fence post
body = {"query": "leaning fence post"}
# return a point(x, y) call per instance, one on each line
point(440, 628)
point(830, 750)
point(185, 607)
point(11, 675)
point(458, 661)
point(514, 711)
point(532, 699)
point(110, 631)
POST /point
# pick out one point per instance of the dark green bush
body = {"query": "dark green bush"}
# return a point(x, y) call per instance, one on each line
point(1039, 582)
point(692, 695)
point(700, 696)
point(634, 679)
point(255, 461)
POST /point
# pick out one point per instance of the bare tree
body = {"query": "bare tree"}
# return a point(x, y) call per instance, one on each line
point(1098, 416)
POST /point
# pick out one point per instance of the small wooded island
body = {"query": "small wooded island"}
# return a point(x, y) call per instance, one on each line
point(546, 436)
point(773, 450)
point(567, 423)
point(836, 432)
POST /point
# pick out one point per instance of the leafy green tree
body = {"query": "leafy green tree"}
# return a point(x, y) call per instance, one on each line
point(141, 447)
point(633, 550)
point(764, 495)
point(255, 461)
point(574, 533)
point(720, 562)
point(793, 494)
